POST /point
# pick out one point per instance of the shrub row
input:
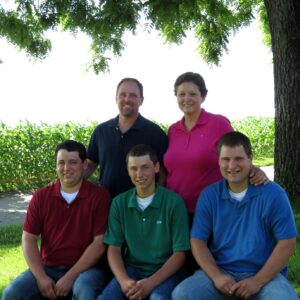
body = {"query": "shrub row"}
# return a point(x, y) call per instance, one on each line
point(27, 150)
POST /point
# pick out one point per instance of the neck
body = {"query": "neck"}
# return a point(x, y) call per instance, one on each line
point(70, 189)
point(237, 187)
point(190, 120)
point(144, 193)
point(125, 123)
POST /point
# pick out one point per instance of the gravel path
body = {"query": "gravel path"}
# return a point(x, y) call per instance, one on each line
point(13, 206)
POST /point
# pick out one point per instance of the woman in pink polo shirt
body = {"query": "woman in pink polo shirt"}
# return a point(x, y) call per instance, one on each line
point(191, 158)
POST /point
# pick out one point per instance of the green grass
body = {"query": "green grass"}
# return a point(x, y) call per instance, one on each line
point(12, 262)
point(265, 161)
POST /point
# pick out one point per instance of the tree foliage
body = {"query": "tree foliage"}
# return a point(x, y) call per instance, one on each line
point(25, 23)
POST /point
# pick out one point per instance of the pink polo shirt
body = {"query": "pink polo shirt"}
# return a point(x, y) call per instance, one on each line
point(192, 159)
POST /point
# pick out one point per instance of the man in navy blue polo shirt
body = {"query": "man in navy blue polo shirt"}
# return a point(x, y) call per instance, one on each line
point(111, 141)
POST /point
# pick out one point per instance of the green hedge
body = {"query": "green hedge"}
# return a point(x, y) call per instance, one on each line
point(261, 132)
point(26, 150)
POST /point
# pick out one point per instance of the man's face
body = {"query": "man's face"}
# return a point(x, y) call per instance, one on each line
point(142, 172)
point(235, 167)
point(69, 168)
point(129, 99)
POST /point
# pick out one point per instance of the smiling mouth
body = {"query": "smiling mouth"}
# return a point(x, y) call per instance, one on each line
point(140, 181)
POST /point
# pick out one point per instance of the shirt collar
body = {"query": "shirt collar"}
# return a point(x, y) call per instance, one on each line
point(83, 192)
point(252, 192)
point(136, 125)
point(202, 119)
point(156, 202)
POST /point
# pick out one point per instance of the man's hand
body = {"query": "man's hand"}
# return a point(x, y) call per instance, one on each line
point(46, 287)
point(224, 283)
point(128, 286)
point(246, 288)
point(258, 176)
point(63, 286)
point(142, 289)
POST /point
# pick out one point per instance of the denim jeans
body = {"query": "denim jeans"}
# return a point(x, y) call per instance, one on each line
point(87, 286)
point(200, 287)
point(161, 292)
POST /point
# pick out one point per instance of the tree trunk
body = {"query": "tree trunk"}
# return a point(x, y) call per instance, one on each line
point(284, 21)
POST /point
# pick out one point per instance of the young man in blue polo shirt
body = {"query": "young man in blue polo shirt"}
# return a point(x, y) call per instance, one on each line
point(147, 235)
point(242, 235)
point(111, 141)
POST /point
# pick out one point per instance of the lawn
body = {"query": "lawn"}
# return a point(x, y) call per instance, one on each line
point(12, 262)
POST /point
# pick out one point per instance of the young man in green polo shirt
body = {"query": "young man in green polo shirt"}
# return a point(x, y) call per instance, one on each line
point(148, 234)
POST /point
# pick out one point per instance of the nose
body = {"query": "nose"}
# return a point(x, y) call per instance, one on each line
point(66, 166)
point(139, 173)
point(232, 164)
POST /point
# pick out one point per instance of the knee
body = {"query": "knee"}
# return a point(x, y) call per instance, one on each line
point(179, 293)
point(9, 293)
point(82, 291)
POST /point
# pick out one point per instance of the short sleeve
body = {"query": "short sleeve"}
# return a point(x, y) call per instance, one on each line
point(114, 234)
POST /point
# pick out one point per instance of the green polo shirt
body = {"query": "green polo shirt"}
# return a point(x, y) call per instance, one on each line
point(151, 236)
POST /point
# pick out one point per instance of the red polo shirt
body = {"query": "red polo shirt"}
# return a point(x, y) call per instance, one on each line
point(67, 229)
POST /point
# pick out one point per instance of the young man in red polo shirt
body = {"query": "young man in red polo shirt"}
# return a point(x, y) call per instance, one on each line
point(70, 217)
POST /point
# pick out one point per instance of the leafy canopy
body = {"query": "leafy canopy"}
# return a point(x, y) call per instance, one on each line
point(25, 23)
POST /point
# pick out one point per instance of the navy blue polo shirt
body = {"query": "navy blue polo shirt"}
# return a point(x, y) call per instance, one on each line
point(109, 146)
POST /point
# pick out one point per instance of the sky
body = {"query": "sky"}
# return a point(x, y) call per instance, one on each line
point(58, 89)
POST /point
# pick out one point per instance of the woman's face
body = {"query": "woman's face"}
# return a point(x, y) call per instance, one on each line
point(189, 98)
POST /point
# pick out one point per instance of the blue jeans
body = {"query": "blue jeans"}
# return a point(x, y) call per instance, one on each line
point(87, 286)
point(200, 287)
point(162, 292)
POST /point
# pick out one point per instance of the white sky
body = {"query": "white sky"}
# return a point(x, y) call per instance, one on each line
point(58, 89)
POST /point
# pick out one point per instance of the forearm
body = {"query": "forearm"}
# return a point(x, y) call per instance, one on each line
point(91, 167)
point(204, 258)
point(116, 263)
point(170, 267)
point(32, 255)
point(277, 260)
point(162, 176)
point(89, 258)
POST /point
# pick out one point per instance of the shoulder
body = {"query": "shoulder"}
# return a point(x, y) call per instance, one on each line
point(149, 124)
point(44, 192)
point(122, 199)
point(214, 192)
point(42, 197)
point(215, 117)
point(94, 192)
point(93, 187)
point(274, 191)
point(169, 197)
point(106, 125)
point(174, 127)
